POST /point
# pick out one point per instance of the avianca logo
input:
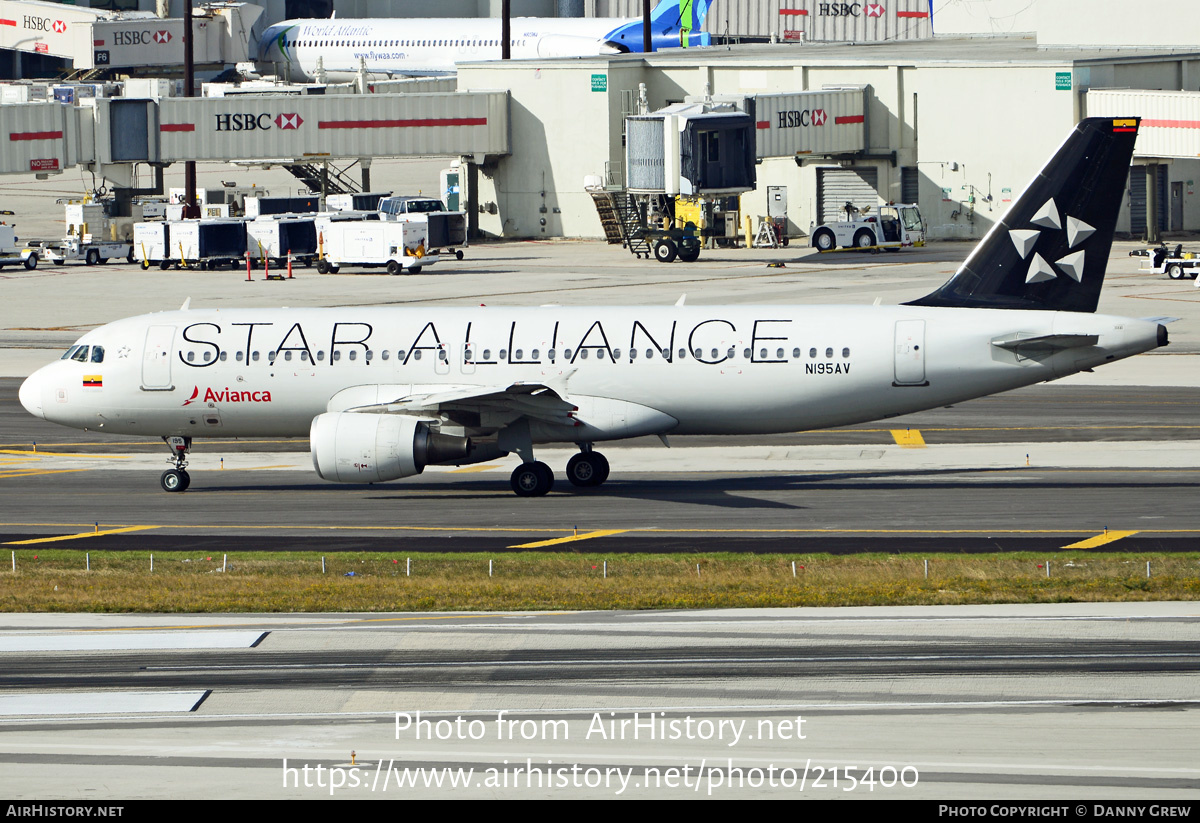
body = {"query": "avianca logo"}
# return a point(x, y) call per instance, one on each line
point(228, 395)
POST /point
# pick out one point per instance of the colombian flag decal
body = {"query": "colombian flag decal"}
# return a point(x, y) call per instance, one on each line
point(1124, 125)
point(93, 380)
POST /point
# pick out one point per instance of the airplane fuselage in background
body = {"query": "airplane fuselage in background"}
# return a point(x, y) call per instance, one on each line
point(627, 371)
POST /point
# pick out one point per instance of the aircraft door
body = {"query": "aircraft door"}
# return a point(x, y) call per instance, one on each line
point(468, 359)
point(910, 353)
point(442, 364)
point(156, 359)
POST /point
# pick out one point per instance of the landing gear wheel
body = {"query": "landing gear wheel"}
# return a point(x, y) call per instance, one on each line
point(1175, 271)
point(587, 469)
point(532, 479)
point(175, 480)
point(393, 267)
point(689, 253)
point(92, 258)
point(31, 261)
point(863, 239)
point(665, 251)
point(824, 240)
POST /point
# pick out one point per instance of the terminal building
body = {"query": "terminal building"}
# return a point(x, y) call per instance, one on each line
point(954, 112)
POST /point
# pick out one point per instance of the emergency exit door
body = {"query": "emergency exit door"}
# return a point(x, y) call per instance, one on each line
point(910, 353)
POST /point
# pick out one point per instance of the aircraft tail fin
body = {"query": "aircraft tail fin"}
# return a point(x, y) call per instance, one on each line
point(673, 24)
point(1050, 250)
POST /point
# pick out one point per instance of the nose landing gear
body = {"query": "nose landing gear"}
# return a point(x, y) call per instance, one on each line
point(177, 479)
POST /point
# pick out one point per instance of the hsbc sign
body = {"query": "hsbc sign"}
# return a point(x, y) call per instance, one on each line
point(801, 118)
point(257, 122)
point(140, 38)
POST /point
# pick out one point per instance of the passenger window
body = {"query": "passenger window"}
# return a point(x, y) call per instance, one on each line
point(779, 354)
point(354, 354)
point(238, 357)
point(384, 354)
point(97, 354)
point(829, 352)
point(729, 354)
point(287, 355)
point(535, 354)
point(417, 354)
point(442, 354)
point(255, 357)
point(222, 357)
point(683, 354)
point(795, 353)
point(303, 357)
point(207, 356)
point(599, 354)
point(746, 354)
point(567, 353)
point(633, 354)
point(487, 354)
point(520, 355)
point(812, 352)
point(846, 352)
point(335, 356)
point(321, 355)
point(191, 356)
point(583, 353)
point(714, 354)
point(504, 354)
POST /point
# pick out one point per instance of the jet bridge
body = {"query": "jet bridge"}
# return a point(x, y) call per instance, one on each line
point(95, 39)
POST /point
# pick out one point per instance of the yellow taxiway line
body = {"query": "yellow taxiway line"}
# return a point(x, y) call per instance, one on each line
point(570, 539)
point(908, 438)
point(77, 536)
point(1099, 540)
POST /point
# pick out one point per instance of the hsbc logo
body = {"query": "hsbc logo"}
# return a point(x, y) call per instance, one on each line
point(59, 27)
point(257, 122)
point(141, 38)
point(873, 10)
point(40, 23)
point(806, 117)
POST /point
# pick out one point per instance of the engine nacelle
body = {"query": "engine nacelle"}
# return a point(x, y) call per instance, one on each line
point(349, 447)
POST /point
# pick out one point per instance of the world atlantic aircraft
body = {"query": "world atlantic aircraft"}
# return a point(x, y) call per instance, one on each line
point(384, 392)
point(434, 46)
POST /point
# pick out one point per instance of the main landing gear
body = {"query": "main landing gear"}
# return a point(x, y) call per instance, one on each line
point(177, 479)
point(534, 478)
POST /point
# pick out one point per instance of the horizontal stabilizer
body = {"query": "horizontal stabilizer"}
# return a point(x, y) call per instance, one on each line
point(1049, 341)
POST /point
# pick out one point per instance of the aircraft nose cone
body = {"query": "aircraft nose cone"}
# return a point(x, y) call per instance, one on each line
point(31, 395)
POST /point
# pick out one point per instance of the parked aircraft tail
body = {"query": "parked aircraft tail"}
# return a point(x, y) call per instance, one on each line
point(1050, 250)
point(673, 24)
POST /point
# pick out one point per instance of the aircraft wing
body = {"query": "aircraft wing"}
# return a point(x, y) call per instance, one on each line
point(495, 405)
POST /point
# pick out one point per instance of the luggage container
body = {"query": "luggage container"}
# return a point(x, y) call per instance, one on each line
point(362, 201)
point(297, 204)
point(150, 243)
point(275, 237)
point(207, 244)
point(399, 246)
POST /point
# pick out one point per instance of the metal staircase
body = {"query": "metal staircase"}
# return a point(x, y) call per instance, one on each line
point(336, 181)
point(621, 219)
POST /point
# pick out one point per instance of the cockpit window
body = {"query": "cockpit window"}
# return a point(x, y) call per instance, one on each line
point(80, 354)
point(97, 354)
point(69, 353)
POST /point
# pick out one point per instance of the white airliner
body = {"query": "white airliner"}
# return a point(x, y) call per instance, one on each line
point(434, 46)
point(384, 392)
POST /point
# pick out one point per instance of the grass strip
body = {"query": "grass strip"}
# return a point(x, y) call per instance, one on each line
point(58, 581)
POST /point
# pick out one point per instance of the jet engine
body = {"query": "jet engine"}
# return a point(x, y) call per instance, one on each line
point(350, 447)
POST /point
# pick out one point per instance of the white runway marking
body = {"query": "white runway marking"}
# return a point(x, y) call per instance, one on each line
point(127, 641)
point(98, 703)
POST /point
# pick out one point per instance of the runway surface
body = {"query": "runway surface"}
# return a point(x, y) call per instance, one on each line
point(1066, 701)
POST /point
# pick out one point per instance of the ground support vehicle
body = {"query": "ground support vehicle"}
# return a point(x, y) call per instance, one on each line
point(447, 229)
point(203, 244)
point(1174, 262)
point(85, 250)
point(892, 227)
point(397, 246)
point(12, 254)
